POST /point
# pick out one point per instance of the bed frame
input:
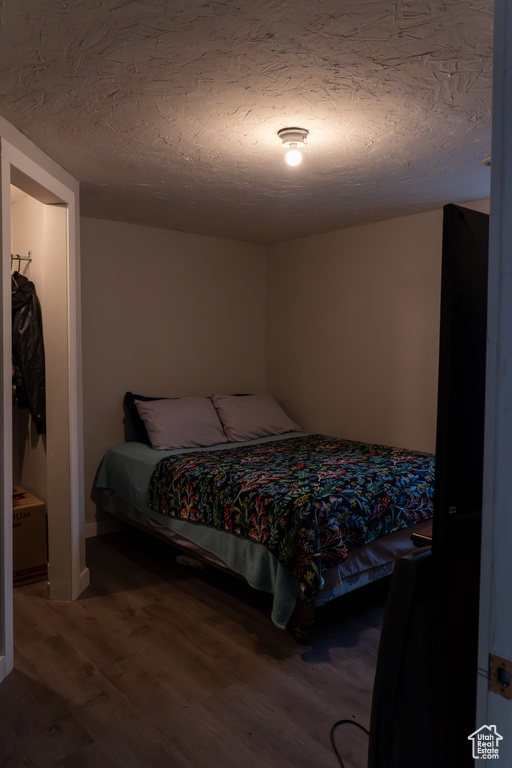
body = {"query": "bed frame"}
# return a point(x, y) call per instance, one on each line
point(360, 567)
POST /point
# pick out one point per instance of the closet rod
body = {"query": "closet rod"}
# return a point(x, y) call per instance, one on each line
point(19, 258)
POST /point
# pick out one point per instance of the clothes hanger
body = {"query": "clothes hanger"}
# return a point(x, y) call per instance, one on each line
point(19, 259)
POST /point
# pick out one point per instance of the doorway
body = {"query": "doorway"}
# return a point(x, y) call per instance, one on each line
point(44, 220)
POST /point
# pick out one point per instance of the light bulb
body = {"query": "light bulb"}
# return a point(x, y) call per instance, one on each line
point(293, 157)
point(293, 139)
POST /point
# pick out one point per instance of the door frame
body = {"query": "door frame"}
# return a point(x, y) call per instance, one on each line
point(495, 621)
point(25, 165)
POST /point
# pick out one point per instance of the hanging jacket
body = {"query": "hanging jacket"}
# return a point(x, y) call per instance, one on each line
point(28, 350)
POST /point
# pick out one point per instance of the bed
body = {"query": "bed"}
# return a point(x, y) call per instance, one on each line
point(305, 517)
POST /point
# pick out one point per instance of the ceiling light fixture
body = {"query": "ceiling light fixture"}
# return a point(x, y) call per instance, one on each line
point(293, 139)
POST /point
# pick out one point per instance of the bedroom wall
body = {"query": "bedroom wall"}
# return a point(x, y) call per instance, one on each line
point(164, 313)
point(353, 327)
point(341, 328)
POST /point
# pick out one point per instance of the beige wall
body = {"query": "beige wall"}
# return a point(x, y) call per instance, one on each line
point(341, 328)
point(353, 327)
point(164, 313)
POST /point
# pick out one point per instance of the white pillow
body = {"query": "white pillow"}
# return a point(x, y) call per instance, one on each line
point(186, 422)
point(249, 416)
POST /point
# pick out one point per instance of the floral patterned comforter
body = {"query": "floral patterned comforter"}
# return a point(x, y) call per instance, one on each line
point(309, 499)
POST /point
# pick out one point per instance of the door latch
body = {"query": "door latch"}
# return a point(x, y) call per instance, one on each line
point(500, 676)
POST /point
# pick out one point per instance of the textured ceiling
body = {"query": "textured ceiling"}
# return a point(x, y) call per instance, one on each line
point(167, 112)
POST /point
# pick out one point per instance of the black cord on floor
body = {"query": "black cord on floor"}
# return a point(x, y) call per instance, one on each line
point(344, 722)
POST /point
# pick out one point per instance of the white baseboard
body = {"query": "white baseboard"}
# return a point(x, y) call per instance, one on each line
point(102, 527)
point(84, 581)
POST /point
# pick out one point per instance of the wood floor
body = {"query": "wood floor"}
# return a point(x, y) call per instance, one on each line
point(159, 664)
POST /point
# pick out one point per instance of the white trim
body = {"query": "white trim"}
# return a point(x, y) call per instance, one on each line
point(6, 587)
point(495, 635)
point(41, 161)
point(83, 580)
point(30, 168)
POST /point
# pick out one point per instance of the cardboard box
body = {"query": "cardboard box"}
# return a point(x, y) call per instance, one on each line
point(29, 540)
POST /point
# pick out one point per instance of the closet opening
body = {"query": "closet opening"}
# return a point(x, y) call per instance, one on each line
point(29, 448)
point(39, 320)
point(45, 221)
point(42, 455)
